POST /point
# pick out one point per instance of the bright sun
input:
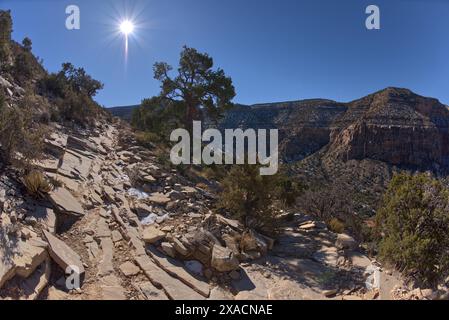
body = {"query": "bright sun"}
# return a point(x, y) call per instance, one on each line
point(126, 27)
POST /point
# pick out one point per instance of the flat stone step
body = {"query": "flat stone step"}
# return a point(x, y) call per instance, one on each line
point(63, 255)
point(174, 288)
point(150, 292)
point(107, 248)
point(111, 288)
point(177, 270)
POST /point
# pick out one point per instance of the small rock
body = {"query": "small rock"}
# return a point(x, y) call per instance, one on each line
point(345, 241)
point(180, 248)
point(152, 234)
point(129, 269)
point(168, 249)
point(30, 220)
point(116, 236)
point(371, 295)
point(429, 294)
point(330, 293)
point(307, 226)
point(167, 229)
point(223, 259)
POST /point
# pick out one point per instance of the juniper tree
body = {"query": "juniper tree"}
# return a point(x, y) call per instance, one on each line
point(199, 88)
point(413, 225)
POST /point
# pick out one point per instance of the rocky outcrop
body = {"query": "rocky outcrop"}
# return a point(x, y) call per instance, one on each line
point(397, 127)
point(304, 126)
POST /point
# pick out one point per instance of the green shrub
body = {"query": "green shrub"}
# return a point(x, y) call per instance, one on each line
point(52, 86)
point(287, 190)
point(147, 139)
point(27, 44)
point(413, 225)
point(21, 138)
point(5, 37)
point(253, 199)
point(71, 91)
point(24, 67)
point(158, 117)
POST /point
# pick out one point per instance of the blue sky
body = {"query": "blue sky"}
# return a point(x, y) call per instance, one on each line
point(275, 50)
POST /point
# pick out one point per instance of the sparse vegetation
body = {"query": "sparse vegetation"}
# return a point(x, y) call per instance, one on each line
point(334, 205)
point(21, 138)
point(27, 44)
point(24, 67)
point(336, 225)
point(72, 90)
point(254, 199)
point(5, 38)
point(413, 225)
point(156, 118)
point(36, 184)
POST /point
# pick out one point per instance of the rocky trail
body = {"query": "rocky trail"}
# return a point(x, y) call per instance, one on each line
point(133, 230)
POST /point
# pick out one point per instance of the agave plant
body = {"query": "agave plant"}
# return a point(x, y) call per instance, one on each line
point(36, 184)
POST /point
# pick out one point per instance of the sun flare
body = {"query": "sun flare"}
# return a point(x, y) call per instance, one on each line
point(126, 27)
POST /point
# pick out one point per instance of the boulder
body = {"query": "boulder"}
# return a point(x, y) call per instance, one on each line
point(152, 234)
point(194, 267)
point(176, 195)
point(345, 241)
point(5, 83)
point(223, 259)
point(252, 241)
point(22, 259)
point(65, 202)
point(63, 255)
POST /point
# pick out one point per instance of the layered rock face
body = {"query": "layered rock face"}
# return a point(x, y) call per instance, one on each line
point(398, 127)
point(304, 126)
point(393, 125)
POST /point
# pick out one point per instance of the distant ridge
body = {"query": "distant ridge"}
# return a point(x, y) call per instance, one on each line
point(393, 125)
point(123, 112)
